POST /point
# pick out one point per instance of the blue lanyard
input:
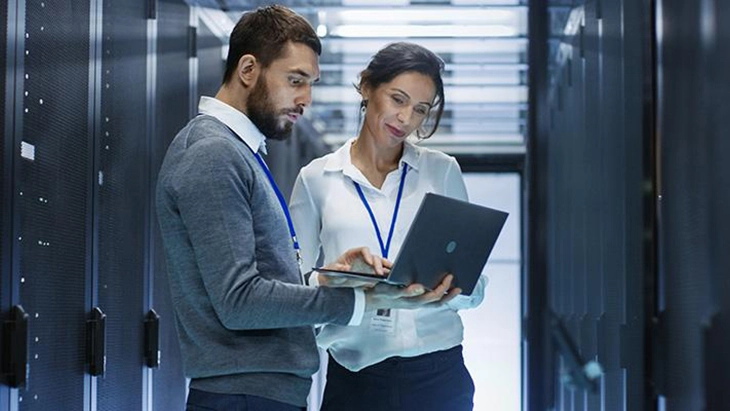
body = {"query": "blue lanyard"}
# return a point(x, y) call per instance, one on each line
point(384, 247)
point(282, 202)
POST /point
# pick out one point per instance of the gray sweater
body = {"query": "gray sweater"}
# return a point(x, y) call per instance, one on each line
point(243, 318)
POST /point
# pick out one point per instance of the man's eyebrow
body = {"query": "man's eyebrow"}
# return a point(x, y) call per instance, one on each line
point(409, 97)
point(303, 74)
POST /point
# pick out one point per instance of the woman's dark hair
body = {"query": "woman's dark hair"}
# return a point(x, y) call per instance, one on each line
point(264, 32)
point(402, 57)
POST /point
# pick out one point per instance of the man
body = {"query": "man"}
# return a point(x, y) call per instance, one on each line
point(243, 317)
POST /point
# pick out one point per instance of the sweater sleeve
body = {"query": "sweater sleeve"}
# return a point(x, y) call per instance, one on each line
point(214, 190)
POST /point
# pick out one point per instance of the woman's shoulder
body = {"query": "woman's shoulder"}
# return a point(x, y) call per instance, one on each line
point(328, 162)
point(316, 168)
point(432, 157)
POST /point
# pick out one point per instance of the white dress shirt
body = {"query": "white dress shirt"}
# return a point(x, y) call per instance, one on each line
point(329, 218)
point(242, 126)
point(235, 120)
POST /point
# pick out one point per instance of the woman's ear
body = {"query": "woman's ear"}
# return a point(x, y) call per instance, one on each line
point(248, 70)
point(365, 92)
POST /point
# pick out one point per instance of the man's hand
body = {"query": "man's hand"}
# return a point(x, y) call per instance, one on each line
point(383, 296)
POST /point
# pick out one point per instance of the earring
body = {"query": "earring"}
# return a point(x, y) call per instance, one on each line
point(363, 106)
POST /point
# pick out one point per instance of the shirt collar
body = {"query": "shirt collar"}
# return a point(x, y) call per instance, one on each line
point(235, 120)
point(340, 160)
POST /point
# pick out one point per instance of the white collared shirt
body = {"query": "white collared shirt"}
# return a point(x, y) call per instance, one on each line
point(328, 213)
point(242, 126)
point(235, 120)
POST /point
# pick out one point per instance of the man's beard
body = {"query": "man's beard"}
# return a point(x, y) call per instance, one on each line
point(263, 114)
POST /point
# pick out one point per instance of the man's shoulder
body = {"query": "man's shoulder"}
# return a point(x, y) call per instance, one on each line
point(205, 127)
point(206, 142)
point(206, 135)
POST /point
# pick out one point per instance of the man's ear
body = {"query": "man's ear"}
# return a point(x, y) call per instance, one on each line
point(248, 70)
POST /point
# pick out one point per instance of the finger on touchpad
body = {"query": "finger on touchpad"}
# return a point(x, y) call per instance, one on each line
point(360, 266)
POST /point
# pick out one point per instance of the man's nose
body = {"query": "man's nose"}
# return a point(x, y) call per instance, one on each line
point(304, 99)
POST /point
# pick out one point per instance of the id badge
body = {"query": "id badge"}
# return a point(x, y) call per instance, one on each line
point(383, 322)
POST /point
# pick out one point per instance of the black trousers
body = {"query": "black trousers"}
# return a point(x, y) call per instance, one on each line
point(209, 401)
point(436, 381)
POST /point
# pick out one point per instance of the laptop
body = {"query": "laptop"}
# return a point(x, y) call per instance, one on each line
point(447, 236)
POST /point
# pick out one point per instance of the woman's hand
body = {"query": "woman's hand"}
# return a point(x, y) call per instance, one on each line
point(361, 260)
point(355, 260)
point(412, 297)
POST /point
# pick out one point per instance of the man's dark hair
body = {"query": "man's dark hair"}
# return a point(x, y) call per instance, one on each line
point(264, 33)
point(398, 58)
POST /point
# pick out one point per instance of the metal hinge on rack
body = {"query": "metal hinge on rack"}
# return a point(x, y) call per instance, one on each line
point(15, 348)
point(96, 342)
point(152, 339)
point(152, 9)
point(192, 41)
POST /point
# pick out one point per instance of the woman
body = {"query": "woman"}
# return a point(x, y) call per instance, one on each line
point(367, 193)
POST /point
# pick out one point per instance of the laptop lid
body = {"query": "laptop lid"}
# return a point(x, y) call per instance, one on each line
point(447, 236)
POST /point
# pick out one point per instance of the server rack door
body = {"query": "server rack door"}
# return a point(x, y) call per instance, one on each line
point(638, 193)
point(593, 155)
point(210, 61)
point(172, 113)
point(611, 181)
point(123, 202)
point(691, 162)
point(578, 179)
point(54, 202)
point(716, 355)
point(596, 165)
point(6, 145)
point(4, 162)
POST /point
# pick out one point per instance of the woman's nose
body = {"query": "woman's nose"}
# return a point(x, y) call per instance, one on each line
point(404, 115)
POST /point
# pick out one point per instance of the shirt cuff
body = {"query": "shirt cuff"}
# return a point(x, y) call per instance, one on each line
point(312, 279)
point(359, 311)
